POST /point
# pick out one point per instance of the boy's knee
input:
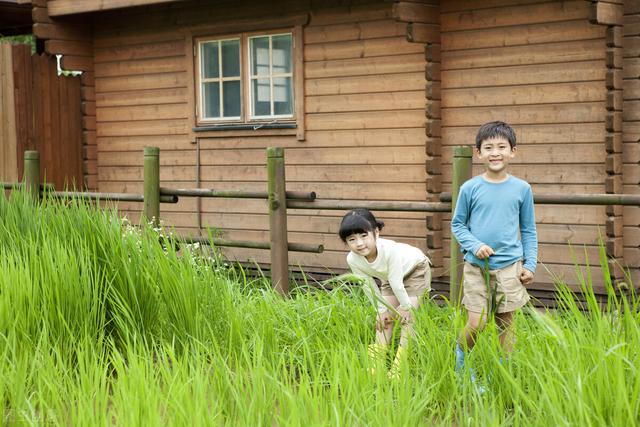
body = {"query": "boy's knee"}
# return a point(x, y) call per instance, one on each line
point(475, 321)
point(504, 320)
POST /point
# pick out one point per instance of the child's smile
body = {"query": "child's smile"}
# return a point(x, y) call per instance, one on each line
point(363, 244)
point(496, 153)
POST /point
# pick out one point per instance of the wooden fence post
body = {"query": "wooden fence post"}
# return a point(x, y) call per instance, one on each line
point(152, 185)
point(278, 220)
point(31, 175)
point(461, 173)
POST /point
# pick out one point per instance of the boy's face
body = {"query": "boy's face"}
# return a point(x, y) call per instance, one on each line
point(364, 244)
point(496, 153)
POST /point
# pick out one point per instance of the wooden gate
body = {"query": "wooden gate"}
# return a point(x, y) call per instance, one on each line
point(39, 110)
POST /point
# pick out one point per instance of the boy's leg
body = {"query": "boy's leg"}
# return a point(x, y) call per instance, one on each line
point(513, 296)
point(475, 323)
point(475, 301)
point(504, 322)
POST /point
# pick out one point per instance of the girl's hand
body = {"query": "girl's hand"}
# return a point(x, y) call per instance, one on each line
point(484, 252)
point(405, 316)
point(384, 320)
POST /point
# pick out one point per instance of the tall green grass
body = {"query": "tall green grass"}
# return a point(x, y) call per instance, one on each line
point(102, 325)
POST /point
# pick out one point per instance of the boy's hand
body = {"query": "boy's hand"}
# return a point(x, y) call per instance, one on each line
point(484, 252)
point(526, 277)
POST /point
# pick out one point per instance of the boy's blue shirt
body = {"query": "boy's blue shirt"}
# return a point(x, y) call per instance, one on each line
point(497, 215)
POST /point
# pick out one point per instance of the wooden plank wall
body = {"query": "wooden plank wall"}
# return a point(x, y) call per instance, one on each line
point(8, 137)
point(541, 67)
point(631, 133)
point(364, 124)
point(47, 117)
point(71, 38)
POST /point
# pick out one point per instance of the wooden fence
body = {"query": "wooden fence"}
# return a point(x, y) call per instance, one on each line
point(279, 200)
point(41, 111)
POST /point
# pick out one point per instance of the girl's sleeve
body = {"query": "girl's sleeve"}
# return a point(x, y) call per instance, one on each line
point(459, 224)
point(528, 232)
point(396, 281)
point(370, 289)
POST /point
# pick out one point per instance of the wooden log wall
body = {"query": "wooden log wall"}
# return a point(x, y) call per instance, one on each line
point(423, 27)
point(609, 14)
point(541, 67)
point(364, 137)
point(71, 38)
point(631, 133)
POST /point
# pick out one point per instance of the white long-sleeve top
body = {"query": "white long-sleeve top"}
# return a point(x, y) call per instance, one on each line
point(394, 261)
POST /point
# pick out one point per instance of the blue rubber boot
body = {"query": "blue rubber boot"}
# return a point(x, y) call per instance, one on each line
point(460, 355)
point(459, 360)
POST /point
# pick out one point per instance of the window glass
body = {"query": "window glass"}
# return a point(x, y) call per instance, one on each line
point(231, 58)
point(262, 97)
point(282, 96)
point(210, 66)
point(211, 99)
point(231, 98)
point(281, 54)
point(259, 56)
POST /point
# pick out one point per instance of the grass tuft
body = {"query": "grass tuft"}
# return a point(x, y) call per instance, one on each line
point(101, 324)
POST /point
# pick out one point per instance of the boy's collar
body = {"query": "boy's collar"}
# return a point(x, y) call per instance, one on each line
point(487, 179)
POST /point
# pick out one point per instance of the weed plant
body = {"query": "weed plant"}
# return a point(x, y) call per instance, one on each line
point(100, 324)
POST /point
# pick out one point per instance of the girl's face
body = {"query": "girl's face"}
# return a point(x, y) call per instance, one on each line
point(364, 244)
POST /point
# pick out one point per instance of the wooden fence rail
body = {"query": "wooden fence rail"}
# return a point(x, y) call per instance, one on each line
point(279, 200)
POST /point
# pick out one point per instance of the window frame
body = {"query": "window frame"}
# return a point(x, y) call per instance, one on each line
point(220, 79)
point(246, 97)
point(250, 78)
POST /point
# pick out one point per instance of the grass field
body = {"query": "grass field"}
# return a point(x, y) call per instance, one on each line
point(99, 325)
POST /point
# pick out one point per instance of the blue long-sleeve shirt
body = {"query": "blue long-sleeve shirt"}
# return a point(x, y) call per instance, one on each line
point(499, 215)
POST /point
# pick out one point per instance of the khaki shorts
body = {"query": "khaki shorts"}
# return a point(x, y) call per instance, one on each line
point(417, 282)
point(510, 293)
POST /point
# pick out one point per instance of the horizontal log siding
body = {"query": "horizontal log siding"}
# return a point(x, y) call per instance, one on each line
point(365, 125)
point(631, 134)
point(541, 67)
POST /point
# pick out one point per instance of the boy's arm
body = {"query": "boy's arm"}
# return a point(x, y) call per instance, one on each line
point(459, 227)
point(528, 232)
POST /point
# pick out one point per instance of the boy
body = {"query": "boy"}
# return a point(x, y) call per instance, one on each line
point(492, 211)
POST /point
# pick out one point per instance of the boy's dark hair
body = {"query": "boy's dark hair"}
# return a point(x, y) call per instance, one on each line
point(496, 129)
point(358, 221)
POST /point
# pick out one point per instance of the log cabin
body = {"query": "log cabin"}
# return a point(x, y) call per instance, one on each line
point(368, 98)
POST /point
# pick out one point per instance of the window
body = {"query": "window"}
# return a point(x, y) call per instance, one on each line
point(246, 78)
point(220, 79)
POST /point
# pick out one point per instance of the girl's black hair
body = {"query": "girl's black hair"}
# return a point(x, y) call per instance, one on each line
point(358, 221)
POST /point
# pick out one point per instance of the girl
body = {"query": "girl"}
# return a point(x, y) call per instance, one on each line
point(403, 271)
